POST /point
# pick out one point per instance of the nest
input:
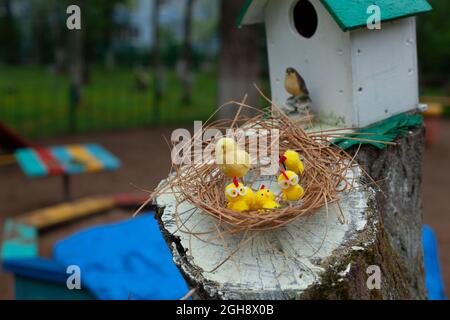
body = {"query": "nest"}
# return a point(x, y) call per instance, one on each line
point(325, 173)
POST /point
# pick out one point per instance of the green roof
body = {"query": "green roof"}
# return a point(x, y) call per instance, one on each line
point(348, 14)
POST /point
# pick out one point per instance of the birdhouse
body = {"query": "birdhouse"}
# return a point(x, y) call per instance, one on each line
point(356, 75)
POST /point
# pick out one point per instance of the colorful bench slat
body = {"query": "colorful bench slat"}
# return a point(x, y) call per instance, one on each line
point(70, 159)
point(51, 216)
point(65, 158)
point(79, 153)
point(31, 163)
point(50, 162)
point(19, 241)
point(109, 161)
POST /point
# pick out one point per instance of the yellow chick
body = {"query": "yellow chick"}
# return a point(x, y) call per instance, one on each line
point(265, 199)
point(231, 160)
point(240, 198)
point(291, 160)
point(295, 84)
point(288, 182)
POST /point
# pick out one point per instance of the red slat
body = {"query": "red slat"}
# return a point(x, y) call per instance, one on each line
point(53, 166)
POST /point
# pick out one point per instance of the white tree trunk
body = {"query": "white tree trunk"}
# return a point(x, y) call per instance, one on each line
point(311, 258)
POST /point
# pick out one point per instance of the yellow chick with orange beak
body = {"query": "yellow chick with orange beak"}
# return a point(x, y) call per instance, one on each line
point(240, 198)
point(292, 162)
point(288, 182)
point(231, 160)
point(265, 199)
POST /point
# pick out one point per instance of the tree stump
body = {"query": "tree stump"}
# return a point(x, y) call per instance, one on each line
point(315, 257)
point(399, 172)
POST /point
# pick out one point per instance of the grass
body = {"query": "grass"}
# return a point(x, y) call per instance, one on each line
point(35, 101)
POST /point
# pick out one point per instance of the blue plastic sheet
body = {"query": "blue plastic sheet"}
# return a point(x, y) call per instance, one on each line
point(131, 260)
point(433, 279)
point(126, 260)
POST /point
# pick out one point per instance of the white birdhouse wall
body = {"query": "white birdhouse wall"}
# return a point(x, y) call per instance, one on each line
point(385, 74)
point(354, 78)
point(324, 60)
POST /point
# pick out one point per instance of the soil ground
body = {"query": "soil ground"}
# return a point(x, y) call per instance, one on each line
point(146, 160)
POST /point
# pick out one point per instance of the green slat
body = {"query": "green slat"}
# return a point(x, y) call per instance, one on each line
point(19, 241)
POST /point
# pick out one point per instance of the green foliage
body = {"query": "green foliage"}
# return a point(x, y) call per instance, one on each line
point(9, 34)
point(98, 19)
point(170, 46)
point(43, 41)
point(434, 39)
point(35, 101)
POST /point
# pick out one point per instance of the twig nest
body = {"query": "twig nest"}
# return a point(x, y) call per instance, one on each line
point(323, 177)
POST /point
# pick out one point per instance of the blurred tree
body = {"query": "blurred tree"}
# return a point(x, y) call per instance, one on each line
point(239, 66)
point(76, 66)
point(205, 28)
point(108, 32)
point(9, 34)
point(157, 62)
point(99, 20)
point(169, 46)
point(43, 41)
point(434, 43)
point(186, 54)
point(57, 24)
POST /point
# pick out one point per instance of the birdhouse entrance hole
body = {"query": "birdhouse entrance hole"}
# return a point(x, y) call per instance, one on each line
point(304, 18)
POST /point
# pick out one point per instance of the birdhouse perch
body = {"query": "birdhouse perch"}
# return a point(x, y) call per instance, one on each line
point(355, 76)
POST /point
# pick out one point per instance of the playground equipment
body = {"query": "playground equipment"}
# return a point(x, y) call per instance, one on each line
point(41, 278)
point(65, 161)
point(10, 140)
point(37, 162)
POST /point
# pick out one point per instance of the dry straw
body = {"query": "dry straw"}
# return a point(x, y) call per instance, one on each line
point(324, 177)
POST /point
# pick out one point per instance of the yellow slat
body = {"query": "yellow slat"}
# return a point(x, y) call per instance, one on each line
point(80, 154)
point(434, 109)
point(65, 212)
point(436, 99)
point(7, 159)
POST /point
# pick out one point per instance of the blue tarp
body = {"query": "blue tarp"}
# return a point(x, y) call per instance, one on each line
point(433, 278)
point(130, 259)
point(124, 260)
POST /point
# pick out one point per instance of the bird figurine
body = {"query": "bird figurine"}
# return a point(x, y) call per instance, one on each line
point(240, 198)
point(295, 84)
point(265, 199)
point(231, 160)
point(291, 160)
point(298, 104)
point(288, 182)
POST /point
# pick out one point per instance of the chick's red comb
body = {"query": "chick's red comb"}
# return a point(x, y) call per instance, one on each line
point(262, 187)
point(283, 159)
point(284, 174)
point(236, 183)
